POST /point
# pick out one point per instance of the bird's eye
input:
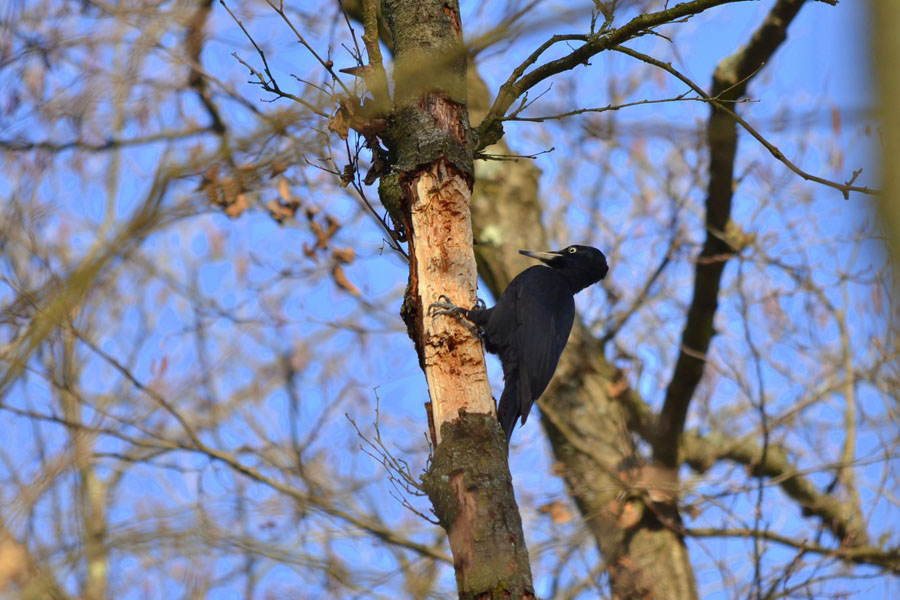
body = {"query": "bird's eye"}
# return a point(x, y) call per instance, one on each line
point(573, 250)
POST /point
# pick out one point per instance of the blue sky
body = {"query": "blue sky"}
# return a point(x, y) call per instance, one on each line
point(258, 296)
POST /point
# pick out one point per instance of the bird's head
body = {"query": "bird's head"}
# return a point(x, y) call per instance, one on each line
point(581, 265)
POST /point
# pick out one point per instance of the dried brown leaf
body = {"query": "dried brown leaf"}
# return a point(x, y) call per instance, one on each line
point(284, 190)
point(13, 561)
point(340, 278)
point(347, 175)
point(278, 167)
point(231, 187)
point(333, 224)
point(280, 212)
point(339, 123)
point(557, 512)
point(211, 187)
point(213, 195)
point(210, 176)
point(344, 255)
point(240, 204)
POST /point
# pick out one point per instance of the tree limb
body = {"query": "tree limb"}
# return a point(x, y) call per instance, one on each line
point(703, 451)
point(17, 145)
point(863, 555)
point(845, 188)
point(193, 42)
point(20, 570)
point(730, 81)
point(491, 128)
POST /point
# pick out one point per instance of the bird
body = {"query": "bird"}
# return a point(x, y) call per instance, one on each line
point(529, 325)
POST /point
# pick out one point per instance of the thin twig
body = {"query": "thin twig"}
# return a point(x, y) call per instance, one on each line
point(868, 555)
point(326, 64)
point(611, 107)
point(512, 157)
point(844, 188)
point(270, 85)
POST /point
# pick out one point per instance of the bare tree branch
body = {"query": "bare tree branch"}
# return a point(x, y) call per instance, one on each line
point(703, 451)
point(15, 145)
point(491, 128)
point(845, 188)
point(730, 81)
point(888, 559)
point(193, 42)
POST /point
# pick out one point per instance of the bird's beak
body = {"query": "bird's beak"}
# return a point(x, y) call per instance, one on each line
point(541, 256)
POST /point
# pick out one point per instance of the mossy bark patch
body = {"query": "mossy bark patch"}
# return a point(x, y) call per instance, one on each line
point(470, 487)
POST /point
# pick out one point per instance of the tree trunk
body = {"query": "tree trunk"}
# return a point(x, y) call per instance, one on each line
point(431, 150)
point(582, 412)
point(885, 17)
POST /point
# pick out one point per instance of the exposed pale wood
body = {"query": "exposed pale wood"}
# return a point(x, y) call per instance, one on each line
point(445, 264)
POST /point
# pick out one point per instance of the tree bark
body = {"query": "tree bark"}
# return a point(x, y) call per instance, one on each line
point(470, 487)
point(91, 500)
point(431, 150)
point(884, 18)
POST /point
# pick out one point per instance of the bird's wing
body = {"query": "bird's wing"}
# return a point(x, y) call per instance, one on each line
point(545, 312)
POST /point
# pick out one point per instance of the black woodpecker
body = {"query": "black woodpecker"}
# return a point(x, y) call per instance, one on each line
point(529, 326)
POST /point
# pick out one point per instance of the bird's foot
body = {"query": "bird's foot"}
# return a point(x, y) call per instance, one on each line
point(445, 306)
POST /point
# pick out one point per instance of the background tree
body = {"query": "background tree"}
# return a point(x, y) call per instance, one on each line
point(723, 420)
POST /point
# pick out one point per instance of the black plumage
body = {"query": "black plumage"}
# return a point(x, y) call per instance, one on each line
point(529, 326)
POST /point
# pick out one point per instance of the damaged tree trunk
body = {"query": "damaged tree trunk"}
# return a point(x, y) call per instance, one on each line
point(431, 151)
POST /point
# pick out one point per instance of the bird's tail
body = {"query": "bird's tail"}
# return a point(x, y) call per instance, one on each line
point(516, 394)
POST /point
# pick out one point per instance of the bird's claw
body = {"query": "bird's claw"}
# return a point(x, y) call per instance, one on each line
point(445, 306)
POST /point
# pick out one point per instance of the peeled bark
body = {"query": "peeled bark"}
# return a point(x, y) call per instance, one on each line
point(430, 141)
point(442, 263)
